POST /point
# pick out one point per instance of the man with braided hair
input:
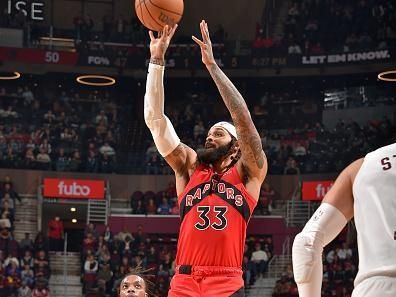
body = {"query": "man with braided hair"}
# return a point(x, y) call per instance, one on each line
point(135, 284)
point(217, 187)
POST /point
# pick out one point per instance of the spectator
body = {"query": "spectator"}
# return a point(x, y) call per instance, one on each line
point(62, 161)
point(123, 234)
point(345, 252)
point(265, 199)
point(101, 117)
point(40, 290)
point(41, 265)
point(55, 234)
point(260, 260)
point(27, 259)
point(92, 163)
point(108, 235)
point(7, 204)
point(75, 163)
point(27, 275)
point(28, 96)
point(11, 192)
point(90, 228)
point(43, 157)
point(164, 207)
point(11, 259)
point(126, 246)
point(153, 165)
point(199, 130)
point(294, 49)
point(106, 164)
point(139, 208)
point(299, 150)
point(49, 117)
point(89, 244)
point(104, 276)
point(175, 210)
point(40, 242)
point(24, 290)
point(291, 167)
point(30, 159)
point(26, 243)
point(90, 272)
point(5, 219)
point(46, 146)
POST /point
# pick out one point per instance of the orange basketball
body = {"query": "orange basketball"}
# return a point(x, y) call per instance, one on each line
point(155, 14)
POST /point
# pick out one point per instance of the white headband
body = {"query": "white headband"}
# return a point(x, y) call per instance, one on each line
point(227, 126)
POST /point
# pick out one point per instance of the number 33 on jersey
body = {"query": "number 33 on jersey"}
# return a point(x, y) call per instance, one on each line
point(214, 213)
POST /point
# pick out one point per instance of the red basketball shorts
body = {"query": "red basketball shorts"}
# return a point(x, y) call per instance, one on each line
point(206, 281)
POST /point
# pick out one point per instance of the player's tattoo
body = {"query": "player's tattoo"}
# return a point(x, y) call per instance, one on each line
point(249, 139)
point(179, 158)
point(157, 61)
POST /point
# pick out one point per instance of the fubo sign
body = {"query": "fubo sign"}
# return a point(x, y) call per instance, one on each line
point(73, 188)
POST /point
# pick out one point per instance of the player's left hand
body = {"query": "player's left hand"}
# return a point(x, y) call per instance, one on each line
point(205, 44)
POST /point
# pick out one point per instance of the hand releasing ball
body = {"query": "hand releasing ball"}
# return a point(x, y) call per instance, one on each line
point(155, 14)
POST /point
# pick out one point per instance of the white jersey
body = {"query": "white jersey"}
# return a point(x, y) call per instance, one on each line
point(374, 192)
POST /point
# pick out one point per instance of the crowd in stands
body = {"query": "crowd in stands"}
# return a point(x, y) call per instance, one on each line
point(319, 27)
point(320, 150)
point(107, 257)
point(8, 204)
point(81, 131)
point(340, 265)
point(65, 134)
point(162, 202)
point(310, 28)
point(165, 202)
point(306, 148)
point(24, 265)
point(256, 257)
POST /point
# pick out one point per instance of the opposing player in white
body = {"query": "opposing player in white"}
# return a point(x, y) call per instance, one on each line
point(366, 190)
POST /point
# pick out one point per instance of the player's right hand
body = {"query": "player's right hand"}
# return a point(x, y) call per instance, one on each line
point(159, 44)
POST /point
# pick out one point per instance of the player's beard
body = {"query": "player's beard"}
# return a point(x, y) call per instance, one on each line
point(209, 156)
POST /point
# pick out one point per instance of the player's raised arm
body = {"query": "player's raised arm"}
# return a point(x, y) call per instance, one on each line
point(325, 224)
point(176, 154)
point(253, 157)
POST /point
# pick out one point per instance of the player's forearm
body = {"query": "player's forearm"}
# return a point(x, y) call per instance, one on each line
point(164, 135)
point(248, 137)
point(158, 60)
point(154, 97)
point(233, 100)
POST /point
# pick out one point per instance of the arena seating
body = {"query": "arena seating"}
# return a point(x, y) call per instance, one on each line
point(107, 257)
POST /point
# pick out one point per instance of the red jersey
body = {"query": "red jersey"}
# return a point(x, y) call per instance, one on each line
point(214, 211)
point(55, 229)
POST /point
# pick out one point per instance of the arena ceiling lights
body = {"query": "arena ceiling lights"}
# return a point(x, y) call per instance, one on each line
point(96, 80)
point(10, 75)
point(382, 75)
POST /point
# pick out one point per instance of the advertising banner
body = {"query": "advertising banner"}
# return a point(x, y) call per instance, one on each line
point(315, 190)
point(38, 56)
point(73, 188)
point(344, 58)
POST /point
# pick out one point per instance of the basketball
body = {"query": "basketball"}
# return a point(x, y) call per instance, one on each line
point(155, 14)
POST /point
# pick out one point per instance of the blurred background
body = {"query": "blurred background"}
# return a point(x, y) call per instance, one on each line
point(84, 194)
